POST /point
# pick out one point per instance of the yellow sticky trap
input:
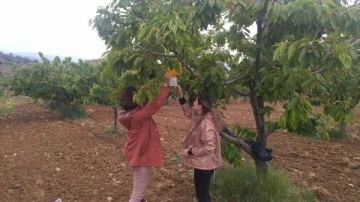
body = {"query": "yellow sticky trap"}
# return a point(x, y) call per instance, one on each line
point(173, 72)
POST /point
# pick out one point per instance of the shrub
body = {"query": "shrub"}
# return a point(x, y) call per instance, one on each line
point(336, 133)
point(71, 111)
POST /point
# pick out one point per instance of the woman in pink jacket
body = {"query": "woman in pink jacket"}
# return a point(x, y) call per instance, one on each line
point(201, 148)
point(142, 148)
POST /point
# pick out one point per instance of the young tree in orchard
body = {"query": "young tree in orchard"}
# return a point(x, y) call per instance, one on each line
point(101, 90)
point(344, 91)
point(297, 47)
point(63, 84)
point(107, 86)
point(339, 94)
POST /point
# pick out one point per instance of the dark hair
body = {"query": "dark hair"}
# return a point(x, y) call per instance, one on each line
point(126, 98)
point(206, 102)
point(207, 106)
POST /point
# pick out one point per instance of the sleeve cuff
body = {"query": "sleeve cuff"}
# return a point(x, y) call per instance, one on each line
point(182, 100)
point(190, 152)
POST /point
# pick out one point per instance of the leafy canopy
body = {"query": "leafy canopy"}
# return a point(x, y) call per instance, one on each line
point(301, 54)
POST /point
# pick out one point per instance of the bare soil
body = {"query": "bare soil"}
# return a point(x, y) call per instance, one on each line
point(44, 157)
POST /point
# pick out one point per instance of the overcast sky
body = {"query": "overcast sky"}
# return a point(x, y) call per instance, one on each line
point(55, 27)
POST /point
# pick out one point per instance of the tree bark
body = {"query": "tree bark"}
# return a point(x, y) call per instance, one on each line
point(261, 168)
point(257, 101)
point(115, 118)
point(229, 136)
point(343, 127)
point(259, 118)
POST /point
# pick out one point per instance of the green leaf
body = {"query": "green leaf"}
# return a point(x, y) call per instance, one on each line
point(138, 60)
point(279, 51)
point(286, 69)
point(301, 57)
point(276, 54)
point(293, 118)
point(174, 29)
point(291, 104)
point(231, 154)
point(142, 32)
point(291, 50)
point(343, 58)
point(211, 3)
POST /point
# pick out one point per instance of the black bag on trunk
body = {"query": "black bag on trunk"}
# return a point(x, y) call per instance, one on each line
point(262, 153)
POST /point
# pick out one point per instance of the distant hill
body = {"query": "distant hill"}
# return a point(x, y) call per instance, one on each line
point(7, 61)
point(35, 56)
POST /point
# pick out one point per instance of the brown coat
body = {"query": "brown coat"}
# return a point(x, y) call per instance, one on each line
point(142, 147)
point(204, 140)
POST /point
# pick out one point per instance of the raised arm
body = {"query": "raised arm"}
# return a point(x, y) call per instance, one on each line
point(153, 106)
point(184, 105)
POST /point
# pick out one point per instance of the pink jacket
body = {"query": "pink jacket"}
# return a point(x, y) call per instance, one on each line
point(204, 140)
point(142, 147)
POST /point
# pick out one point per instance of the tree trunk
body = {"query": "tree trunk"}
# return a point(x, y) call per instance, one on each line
point(257, 102)
point(261, 168)
point(343, 127)
point(115, 118)
point(257, 105)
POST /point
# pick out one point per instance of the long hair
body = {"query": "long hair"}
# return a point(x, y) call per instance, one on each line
point(126, 98)
point(207, 106)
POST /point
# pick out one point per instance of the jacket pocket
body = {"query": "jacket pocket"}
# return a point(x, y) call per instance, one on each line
point(195, 160)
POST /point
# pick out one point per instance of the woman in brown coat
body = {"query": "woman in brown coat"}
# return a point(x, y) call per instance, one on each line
point(142, 148)
point(202, 149)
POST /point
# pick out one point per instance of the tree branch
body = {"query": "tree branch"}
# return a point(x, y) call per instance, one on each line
point(138, 14)
point(229, 136)
point(319, 71)
point(156, 53)
point(356, 42)
point(320, 33)
point(256, 110)
point(241, 93)
point(269, 132)
point(234, 80)
point(277, 1)
point(184, 64)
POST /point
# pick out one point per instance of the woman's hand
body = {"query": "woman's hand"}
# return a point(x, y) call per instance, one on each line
point(167, 79)
point(185, 152)
point(179, 91)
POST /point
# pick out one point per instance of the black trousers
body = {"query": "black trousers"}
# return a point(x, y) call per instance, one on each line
point(202, 184)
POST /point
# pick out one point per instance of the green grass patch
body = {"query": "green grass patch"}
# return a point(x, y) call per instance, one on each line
point(243, 185)
point(6, 106)
point(6, 103)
